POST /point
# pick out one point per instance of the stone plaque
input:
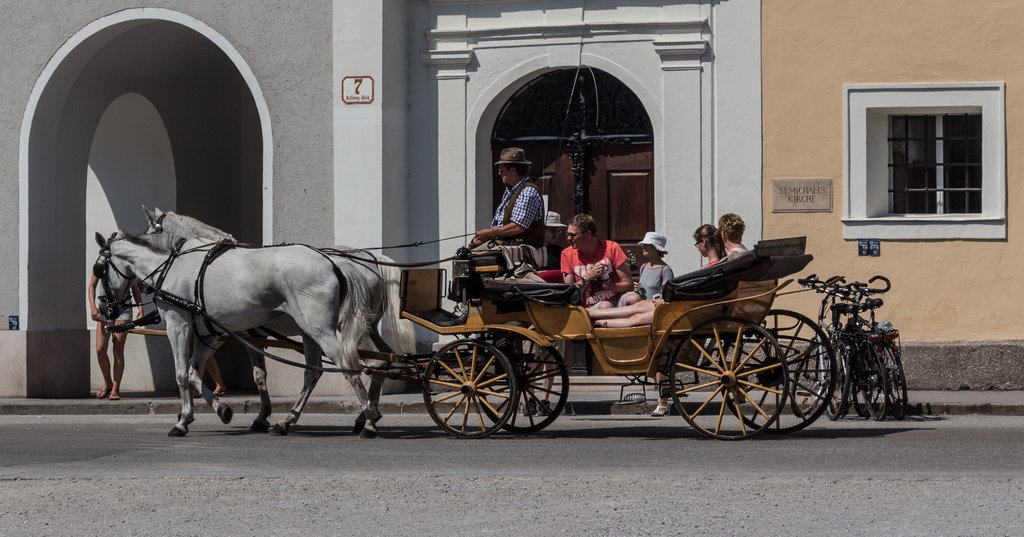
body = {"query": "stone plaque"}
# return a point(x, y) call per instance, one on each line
point(801, 195)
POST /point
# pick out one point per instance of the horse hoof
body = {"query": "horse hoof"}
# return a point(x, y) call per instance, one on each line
point(225, 413)
point(368, 432)
point(277, 430)
point(259, 427)
point(357, 428)
point(177, 432)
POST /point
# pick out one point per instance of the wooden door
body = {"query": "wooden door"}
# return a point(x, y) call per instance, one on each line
point(618, 187)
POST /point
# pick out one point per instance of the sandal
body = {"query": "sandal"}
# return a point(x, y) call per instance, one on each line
point(661, 411)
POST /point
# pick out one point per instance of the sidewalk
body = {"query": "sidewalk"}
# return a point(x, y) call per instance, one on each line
point(584, 399)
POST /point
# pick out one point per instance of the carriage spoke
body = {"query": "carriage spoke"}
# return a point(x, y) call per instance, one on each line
point(762, 369)
point(455, 385)
point(479, 413)
point(483, 371)
point(752, 403)
point(490, 407)
point(465, 416)
point(472, 363)
point(751, 353)
point(452, 371)
point(444, 398)
point(736, 350)
point(696, 369)
point(707, 355)
point(721, 413)
point(685, 391)
point(492, 380)
point(455, 407)
point(758, 386)
point(493, 394)
point(739, 415)
point(708, 400)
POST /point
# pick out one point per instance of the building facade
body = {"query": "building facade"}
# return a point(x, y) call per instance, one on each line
point(347, 122)
point(909, 111)
point(370, 123)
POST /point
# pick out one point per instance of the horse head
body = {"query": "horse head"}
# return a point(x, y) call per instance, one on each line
point(115, 275)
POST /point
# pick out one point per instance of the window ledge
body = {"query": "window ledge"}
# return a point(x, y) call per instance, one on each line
point(925, 227)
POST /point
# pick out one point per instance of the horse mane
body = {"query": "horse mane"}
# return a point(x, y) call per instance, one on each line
point(190, 227)
point(162, 243)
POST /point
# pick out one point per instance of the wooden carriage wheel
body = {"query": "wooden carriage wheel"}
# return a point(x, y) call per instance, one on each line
point(811, 366)
point(543, 382)
point(721, 374)
point(469, 388)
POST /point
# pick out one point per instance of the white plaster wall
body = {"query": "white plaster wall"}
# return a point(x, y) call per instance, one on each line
point(370, 165)
point(130, 163)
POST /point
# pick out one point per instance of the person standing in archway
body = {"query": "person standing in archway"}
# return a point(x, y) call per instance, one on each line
point(519, 218)
point(111, 383)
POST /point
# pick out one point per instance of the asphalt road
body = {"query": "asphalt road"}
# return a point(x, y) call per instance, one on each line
point(587, 475)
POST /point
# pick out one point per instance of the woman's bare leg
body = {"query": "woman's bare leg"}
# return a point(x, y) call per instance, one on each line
point(115, 387)
point(102, 343)
point(622, 312)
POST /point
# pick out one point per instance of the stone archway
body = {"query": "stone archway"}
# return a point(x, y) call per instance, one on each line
point(213, 115)
point(592, 145)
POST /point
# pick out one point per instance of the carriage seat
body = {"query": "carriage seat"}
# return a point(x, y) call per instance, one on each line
point(548, 294)
point(769, 260)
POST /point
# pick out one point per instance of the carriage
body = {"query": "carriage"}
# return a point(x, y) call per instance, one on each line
point(734, 366)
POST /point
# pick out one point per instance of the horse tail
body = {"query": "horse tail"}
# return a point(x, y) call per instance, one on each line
point(397, 332)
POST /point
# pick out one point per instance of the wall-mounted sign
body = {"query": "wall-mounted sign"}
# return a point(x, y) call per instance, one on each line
point(801, 195)
point(357, 90)
point(12, 322)
point(869, 247)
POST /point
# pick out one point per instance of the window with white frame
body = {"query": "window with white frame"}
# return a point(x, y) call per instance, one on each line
point(925, 161)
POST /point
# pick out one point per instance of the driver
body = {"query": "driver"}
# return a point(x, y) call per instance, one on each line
point(520, 215)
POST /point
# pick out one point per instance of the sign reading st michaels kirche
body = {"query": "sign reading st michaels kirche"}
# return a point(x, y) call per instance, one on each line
point(357, 90)
point(801, 195)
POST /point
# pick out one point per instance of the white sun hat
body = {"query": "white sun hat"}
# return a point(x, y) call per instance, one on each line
point(553, 219)
point(655, 239)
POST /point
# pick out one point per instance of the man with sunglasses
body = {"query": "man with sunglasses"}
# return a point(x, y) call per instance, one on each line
point(519, 218)
point(599, 267)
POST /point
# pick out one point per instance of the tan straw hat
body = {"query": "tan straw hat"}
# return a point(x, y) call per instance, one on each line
point(512, 155)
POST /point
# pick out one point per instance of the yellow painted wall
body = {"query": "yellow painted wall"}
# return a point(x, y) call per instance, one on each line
point(943, 290)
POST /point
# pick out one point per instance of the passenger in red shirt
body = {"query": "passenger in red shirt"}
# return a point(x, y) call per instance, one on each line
point(599, 267)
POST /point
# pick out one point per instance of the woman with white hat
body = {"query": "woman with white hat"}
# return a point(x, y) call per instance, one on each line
point(654, 273)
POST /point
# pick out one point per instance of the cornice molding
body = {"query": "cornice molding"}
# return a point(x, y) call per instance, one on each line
point(450, 64)
point(584, 30)
point(680, 55)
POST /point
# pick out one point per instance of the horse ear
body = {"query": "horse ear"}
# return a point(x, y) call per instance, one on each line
point(150, 215)
point(100, 240)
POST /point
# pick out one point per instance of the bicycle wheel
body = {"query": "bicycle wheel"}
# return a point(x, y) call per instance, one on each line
point(469, 387)
point(839, 403)
point(897, 383)
point(871, 385)
point(543, 381)
point(732, 362)
point(811, 367)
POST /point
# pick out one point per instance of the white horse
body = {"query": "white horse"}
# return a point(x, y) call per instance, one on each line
point(379, 283)
point(242, 288)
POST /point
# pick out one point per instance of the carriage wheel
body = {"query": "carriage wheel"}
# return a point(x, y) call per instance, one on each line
point(469, 387)
point(811, 366)
point(723, 370)
point(543, 382)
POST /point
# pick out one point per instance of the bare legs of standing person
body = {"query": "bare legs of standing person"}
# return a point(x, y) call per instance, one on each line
point(111, 382)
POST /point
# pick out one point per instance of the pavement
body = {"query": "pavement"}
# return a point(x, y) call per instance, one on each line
point(587, 396)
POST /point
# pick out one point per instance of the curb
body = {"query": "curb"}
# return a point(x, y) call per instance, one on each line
point(251, 406)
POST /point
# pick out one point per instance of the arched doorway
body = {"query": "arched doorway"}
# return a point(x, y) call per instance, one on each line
point(592, 147)
point(196, 102)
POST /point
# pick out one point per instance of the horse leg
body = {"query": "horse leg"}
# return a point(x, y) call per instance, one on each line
point(204, 352)
point(179, 334)
point(259, 375)
point(310, 378)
